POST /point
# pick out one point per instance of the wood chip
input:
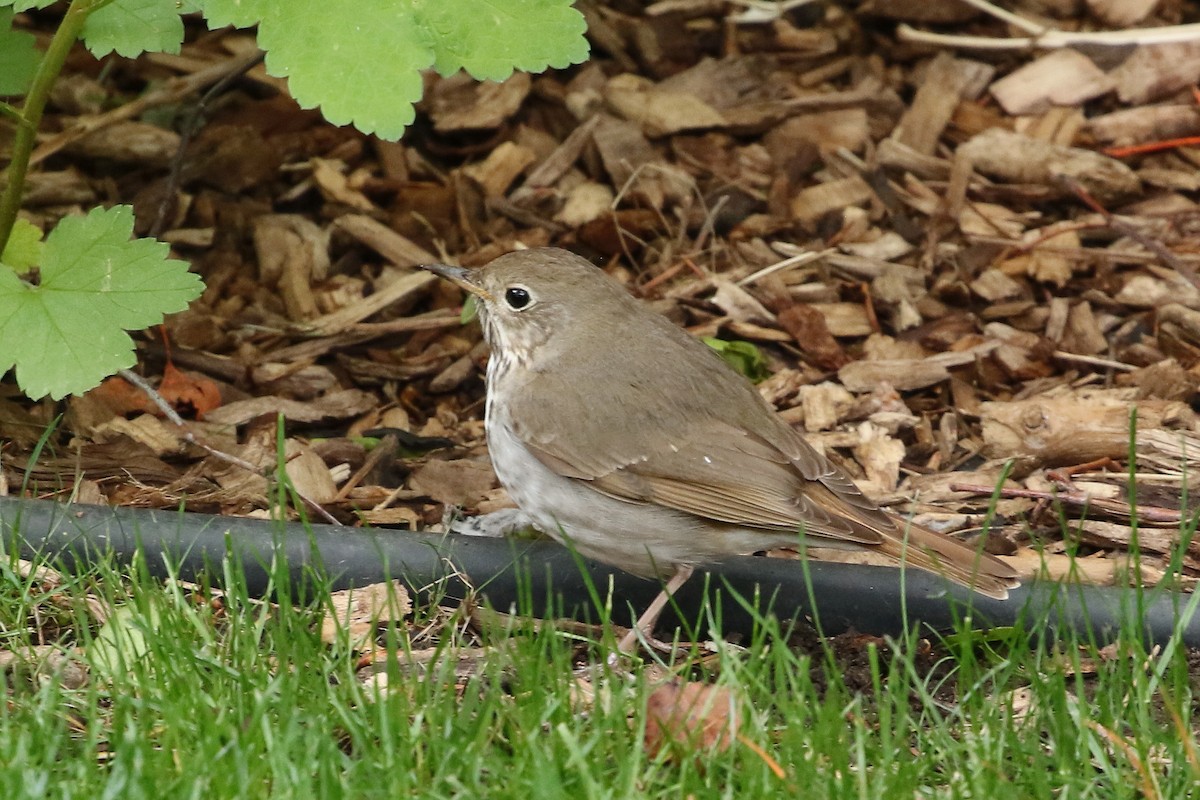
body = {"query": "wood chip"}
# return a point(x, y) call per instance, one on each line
point(1122, 13)
point(293, 254)
point(1069, 428)
point(145, 429)
point(1146, 123)
point(330, 177)
point(947, 80)
point(584, 203)
point(1114, 535)
point(738, 304)
point(845, 319)
point(1033, 564)
point(460, 103)
point(902, 374)
point(1083, 334)
point(807, 326)
point(308, 473)
point(1021, 159)
point(136, 143)
point(502, 166)
point(993, 285)
point(880, 455)
point(991, 219)
point(558, 162)
point(335, 405)
point(810, 204)
point(847, 128)
point(635, 167)
point(1062, 77)
point(397, 249)
point(888, 246)
point(1157, 71)
point(824, 405)
point(659, 111)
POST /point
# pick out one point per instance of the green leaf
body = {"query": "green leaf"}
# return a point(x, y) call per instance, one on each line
point(490, 39)
point(68, 333)
point(742, 356)
point(360, 62)
point(19, 57)
point(238, 13)
point(25, 5)
point(133, 27)
point(24, 249)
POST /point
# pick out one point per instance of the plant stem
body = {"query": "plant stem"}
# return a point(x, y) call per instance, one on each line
point(31, 113)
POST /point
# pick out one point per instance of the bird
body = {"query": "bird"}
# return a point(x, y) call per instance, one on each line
point(619, 433)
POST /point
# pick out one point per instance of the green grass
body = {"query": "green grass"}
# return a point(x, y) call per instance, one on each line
point(190, 698)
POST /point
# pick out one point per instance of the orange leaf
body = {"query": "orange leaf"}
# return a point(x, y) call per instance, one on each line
point(123, 397)
point(185, 392)
point(691, 716)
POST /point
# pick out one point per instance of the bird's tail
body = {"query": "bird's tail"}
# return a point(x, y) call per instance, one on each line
point(954, 559)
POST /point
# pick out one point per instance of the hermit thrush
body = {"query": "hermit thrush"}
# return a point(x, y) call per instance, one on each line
point(614, 429)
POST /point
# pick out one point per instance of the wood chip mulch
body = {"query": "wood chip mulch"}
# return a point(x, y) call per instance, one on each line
point(952, 259)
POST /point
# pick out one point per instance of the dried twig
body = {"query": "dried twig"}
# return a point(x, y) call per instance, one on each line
point(1047, 38)
point(1118, 508)
point(1094, 361)
point(790, 262)
point(1151, 147)
point(1125, 229)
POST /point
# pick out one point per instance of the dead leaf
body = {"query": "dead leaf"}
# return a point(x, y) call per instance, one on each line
point(308, 473)
point(690, 718)
point(360, 611)
point(459, 483)
point(188, 393)
point(807, 325)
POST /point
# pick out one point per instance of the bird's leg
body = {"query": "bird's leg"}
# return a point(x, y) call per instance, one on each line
point(649, 618)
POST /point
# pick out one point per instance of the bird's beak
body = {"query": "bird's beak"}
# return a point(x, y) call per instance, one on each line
point(460, 276)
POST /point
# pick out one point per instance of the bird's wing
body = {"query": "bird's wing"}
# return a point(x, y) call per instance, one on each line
point(754, 469)
point(757, 471)
point(722, 472)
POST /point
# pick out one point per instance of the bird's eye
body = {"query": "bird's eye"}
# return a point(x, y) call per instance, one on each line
point(517, 297)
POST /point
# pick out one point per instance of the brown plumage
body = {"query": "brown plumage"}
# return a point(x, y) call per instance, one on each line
point(615, 429)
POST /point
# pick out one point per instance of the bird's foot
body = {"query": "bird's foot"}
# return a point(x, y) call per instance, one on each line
point(644, 627)
point(504, 522)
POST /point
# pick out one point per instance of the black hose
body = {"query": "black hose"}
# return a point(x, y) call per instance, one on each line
point(543, 578)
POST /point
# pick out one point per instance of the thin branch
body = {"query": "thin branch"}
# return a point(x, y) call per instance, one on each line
point(788, 263)
point(1151, 147)
point(1094, 361)
point(1125, 229)
point(1004, 15)
point(1053, 38)
point(1150, 514)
